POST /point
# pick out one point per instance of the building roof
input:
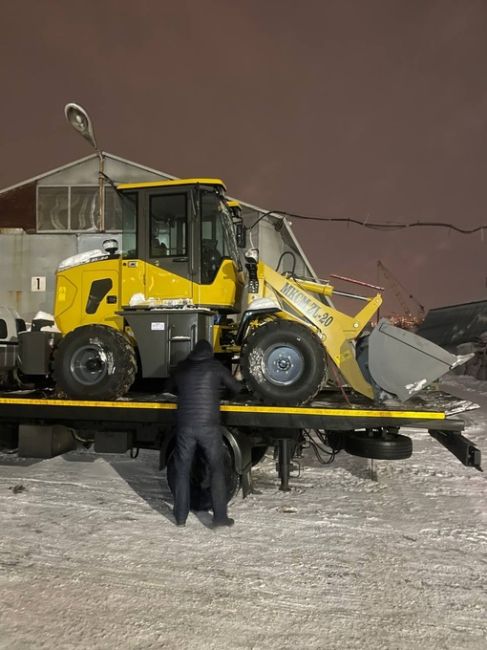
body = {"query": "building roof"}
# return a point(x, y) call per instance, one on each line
point(82, 160)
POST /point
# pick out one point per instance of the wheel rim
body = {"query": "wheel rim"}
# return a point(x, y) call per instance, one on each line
point(89, 365)
point(282, 364)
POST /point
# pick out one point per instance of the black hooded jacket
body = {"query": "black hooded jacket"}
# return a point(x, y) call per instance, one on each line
point(197, 381)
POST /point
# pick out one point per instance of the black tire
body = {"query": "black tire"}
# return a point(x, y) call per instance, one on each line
point(283, 362)
point(94, 362)
point(378, 445)
point(258, 454)
point(335, 439)
point(200, 495)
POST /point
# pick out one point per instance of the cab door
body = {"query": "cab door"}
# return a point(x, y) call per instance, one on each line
point(167, 242)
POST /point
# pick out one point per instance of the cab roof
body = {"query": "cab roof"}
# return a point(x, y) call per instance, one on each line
point(173, 183)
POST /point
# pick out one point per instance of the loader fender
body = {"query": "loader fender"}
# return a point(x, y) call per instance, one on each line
point(258, 308)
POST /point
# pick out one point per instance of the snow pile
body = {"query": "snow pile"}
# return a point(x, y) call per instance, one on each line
point(357, 555)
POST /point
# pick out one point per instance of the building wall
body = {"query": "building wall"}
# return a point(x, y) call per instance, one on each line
point(273, 238)
point(18, 208)
point(28, 264)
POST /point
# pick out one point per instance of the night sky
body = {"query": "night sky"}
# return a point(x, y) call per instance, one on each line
point(371, 109)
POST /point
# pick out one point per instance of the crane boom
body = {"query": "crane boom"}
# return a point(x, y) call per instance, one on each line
point(400, 291)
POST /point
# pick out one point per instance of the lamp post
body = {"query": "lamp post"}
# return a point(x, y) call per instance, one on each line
point(80, 121)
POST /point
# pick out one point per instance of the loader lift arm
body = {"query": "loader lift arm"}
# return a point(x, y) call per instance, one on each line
point(285, 353)
point(336, 330)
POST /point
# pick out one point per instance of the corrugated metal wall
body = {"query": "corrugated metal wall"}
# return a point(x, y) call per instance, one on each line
point(28, 264)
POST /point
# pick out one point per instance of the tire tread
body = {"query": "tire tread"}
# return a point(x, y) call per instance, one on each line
point(279, 396)
point(121, 381)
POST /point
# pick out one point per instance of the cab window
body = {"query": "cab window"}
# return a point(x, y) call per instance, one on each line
point(168, 225)
point(217, 239)
point(129, 204)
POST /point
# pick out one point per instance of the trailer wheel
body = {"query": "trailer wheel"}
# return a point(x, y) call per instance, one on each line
point(200, 495)
point(94, 362)
point(283, 362)
point(378, 444)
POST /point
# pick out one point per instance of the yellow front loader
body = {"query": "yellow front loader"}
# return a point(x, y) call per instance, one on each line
point(179, 278)
point(287, 354)
point(296, 342)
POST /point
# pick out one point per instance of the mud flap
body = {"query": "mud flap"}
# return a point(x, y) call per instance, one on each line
point(403, 363)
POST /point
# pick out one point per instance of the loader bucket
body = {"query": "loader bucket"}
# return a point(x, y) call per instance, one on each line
point(403, 363)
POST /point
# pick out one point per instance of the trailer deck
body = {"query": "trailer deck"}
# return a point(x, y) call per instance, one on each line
point(143, 420)
point(327, 412)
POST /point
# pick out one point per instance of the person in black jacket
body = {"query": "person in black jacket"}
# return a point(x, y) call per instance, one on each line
point(197, 381)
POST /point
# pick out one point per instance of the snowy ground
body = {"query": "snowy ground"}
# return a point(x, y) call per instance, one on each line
point(90, 558)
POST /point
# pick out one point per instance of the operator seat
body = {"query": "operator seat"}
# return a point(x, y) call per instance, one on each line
point(210, 260)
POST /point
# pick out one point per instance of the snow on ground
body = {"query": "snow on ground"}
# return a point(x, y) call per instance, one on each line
point(90, 557)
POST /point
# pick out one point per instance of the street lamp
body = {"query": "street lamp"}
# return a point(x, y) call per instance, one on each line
point(80, 121)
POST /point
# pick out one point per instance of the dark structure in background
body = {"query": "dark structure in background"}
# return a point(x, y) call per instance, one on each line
point(455, 324)
point(461, 329)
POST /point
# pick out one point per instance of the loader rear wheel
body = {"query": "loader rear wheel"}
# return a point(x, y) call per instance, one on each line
point(283, 362)
point(378, 444)
point(94, 362)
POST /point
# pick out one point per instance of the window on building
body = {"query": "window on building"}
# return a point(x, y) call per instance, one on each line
point(53, 208)
point(75, 209)
point(85, 214)
point(113, 210)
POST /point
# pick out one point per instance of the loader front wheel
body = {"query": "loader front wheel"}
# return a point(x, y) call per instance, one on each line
point(94, 362)
point(283, 362)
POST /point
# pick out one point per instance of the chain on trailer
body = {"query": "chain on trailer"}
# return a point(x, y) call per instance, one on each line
point(325, 446)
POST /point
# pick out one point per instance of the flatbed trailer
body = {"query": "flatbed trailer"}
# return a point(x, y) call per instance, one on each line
point(42, 422)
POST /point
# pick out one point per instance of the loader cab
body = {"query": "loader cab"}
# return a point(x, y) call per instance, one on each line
point(240, 229)
point(179, 241)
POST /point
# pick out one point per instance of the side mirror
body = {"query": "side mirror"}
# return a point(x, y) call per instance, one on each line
point(241, 235)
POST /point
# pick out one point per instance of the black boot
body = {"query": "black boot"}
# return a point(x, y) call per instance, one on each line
point(228, 521)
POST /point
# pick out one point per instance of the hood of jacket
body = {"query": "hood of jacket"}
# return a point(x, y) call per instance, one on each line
point(202, 351)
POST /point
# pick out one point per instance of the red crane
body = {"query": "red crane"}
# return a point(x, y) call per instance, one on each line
point(409, 318)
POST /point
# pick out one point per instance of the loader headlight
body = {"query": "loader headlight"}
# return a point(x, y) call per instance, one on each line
point(110, 246)
point(252, 255)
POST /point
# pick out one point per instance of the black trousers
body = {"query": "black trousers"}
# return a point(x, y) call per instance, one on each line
point(208, 439)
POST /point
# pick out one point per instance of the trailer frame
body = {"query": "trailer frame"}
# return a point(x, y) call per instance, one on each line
point(147, 421)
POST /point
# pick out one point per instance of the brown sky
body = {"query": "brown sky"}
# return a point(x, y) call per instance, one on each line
point(370, 108)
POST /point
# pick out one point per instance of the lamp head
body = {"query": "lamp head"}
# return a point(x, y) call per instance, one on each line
point(80, 121)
